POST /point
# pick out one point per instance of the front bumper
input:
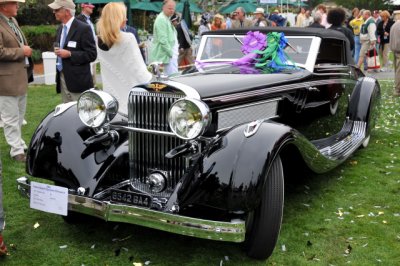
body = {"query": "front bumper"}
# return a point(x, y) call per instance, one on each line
point(233, 231)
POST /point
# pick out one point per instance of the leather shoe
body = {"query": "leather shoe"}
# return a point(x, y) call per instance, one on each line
point(20, 157)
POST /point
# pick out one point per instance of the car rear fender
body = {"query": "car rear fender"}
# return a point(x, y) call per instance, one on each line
point(363, 100)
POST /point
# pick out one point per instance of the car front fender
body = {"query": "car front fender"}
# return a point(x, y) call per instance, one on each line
point(232, 171)
point(57, 147)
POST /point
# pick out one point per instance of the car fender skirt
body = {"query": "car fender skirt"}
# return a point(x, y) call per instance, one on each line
point(363, 99)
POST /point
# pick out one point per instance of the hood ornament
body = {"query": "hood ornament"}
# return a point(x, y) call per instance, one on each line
point(155, 69)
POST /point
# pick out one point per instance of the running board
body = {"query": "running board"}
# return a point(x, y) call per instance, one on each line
point(345, 142)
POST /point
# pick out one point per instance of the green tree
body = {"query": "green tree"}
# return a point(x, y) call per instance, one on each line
point(313, 3)
point(366, 4)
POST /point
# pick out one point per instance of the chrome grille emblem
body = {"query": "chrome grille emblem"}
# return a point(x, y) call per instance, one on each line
point(149, 110)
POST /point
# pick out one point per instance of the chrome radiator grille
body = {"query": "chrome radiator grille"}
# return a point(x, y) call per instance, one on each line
point(146, 150)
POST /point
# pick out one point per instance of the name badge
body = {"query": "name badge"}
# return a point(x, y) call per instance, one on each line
point(71, 44)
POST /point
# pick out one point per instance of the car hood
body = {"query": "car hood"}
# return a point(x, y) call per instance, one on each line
point(228, 80)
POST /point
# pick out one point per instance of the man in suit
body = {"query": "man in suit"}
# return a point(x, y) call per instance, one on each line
point(14, 66)
point(241, 20)
point(84, 16)
point(77, 50)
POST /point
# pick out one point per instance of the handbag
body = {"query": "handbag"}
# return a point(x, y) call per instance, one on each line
point(373, 59)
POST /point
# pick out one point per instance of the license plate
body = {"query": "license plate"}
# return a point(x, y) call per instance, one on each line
point(132, 198)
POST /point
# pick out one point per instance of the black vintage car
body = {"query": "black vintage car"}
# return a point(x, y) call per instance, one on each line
point(205, 153)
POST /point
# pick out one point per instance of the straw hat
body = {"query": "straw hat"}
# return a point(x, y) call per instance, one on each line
point(259, 10)
point(62, 3)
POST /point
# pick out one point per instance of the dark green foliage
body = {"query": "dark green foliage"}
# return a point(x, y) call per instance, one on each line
point(40, 38)
point(36, 56)
point(366, 4)
point(35, 14)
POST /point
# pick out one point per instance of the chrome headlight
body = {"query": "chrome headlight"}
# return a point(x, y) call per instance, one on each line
point(96, 108)
point(189, 118)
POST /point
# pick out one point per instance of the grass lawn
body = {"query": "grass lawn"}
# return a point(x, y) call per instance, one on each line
point(348, 216)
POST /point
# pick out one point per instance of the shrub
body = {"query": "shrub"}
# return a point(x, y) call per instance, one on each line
point(36, 56)
point(35, 14)
point(40, 38)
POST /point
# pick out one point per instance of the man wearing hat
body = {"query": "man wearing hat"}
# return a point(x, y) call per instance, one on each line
point(259, 19)
point(77, 50)
point(277, 20)
point(367, 36)
point(14, 63)
point(84, 16)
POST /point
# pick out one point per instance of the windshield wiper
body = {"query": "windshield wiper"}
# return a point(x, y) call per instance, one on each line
point(237, 39)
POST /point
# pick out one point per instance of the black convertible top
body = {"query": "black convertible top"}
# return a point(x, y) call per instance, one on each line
point(290, 31)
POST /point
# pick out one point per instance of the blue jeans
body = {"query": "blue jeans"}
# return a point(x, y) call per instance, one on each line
point(1, 200)
point(357, 47)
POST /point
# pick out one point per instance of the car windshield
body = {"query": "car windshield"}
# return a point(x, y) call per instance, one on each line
point(227, 48)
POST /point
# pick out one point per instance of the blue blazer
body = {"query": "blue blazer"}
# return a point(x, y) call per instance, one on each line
point(76, 69)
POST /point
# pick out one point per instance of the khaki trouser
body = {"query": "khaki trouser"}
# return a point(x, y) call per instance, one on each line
point(384, 49)
point(12, 112)
point(365, 46)
point(93, 71)
point(397, 73)
point(66, 95)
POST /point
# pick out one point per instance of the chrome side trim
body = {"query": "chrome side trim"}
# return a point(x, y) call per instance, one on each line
point(269, 90)
point(246, 113)
point(347, 145)
point(61, 108)
point(321, 160)
point(233, 231)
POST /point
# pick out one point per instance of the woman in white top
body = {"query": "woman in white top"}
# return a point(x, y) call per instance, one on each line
point(122, 65)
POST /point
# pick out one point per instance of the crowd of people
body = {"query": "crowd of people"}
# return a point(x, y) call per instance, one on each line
point(79, 42)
